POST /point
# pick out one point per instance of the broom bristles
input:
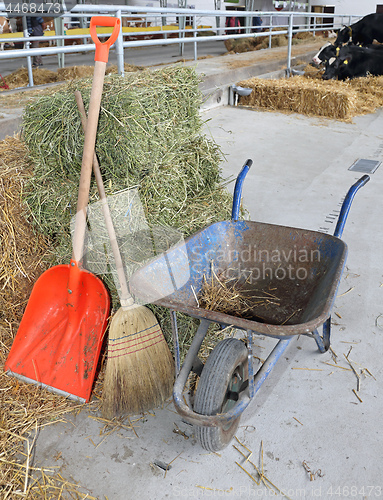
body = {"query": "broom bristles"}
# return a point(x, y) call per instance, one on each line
point(139, 373)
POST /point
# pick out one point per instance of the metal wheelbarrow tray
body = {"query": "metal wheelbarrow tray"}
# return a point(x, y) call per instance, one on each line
point(296, 273)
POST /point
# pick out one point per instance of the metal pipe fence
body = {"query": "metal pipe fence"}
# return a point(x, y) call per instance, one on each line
point(155, 27)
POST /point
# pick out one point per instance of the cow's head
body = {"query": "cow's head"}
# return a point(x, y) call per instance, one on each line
point(331, 69)
point(344, 36)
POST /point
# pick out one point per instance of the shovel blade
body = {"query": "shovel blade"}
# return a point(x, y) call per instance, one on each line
point(61, 333)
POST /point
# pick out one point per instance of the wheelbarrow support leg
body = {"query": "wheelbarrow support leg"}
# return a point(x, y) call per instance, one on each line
point(323, 343)
point(176, 342)
point(188, 363)
point(270, 362)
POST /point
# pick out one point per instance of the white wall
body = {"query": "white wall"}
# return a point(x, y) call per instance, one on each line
point(353, 7)
point(191, 4)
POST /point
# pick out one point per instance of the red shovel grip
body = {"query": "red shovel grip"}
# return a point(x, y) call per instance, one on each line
point(102, 48)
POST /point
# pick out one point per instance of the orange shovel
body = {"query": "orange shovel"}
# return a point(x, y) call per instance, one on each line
point(60, 336)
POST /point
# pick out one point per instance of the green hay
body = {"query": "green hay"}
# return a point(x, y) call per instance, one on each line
point(149, 135)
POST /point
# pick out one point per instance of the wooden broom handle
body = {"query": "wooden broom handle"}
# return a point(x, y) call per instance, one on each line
point(91, 131)
point(125, 297)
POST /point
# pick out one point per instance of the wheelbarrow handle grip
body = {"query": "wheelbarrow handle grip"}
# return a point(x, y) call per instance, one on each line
point(347, 204)
point(238, 190)
point(102, 48)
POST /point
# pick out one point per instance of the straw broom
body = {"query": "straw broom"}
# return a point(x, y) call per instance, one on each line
point(139, 372)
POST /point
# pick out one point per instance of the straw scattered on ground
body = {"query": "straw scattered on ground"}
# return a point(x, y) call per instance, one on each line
point(311, 96)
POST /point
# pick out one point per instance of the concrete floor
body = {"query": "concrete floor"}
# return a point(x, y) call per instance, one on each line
point(306, 416)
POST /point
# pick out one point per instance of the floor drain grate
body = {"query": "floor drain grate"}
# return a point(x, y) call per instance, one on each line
point(365, 166)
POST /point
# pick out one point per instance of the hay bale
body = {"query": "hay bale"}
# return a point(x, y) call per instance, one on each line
point(150, 135)
point(241, 44)
point(313, 72)
point(279, 41)
point(23, 250)
point(305, 35)
point(301, 95)
point(128, 68)
point(19, 78)
point(72, 72)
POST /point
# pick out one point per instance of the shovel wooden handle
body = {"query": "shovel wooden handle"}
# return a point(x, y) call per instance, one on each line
point(101, 58)
point(125, 297)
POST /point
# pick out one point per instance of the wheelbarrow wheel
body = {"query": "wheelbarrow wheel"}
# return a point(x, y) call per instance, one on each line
point(218, 389)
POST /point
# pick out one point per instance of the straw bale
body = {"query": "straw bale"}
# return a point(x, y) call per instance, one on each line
point(279, 41)
point(313, 72)
point(128, 68)
point(19, 78)
point(72, 72)
point(23, 250)
point(23, 407)
point(149, 134)
point(242, 44)
point(305, 35)
point(302, 95)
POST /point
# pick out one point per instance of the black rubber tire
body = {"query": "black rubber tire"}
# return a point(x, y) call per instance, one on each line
point(224, 370)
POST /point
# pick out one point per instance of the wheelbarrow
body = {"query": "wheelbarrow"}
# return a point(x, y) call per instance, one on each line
point(299, 269)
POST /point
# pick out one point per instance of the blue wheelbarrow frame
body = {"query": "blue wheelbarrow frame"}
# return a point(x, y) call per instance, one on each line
point(164, 281)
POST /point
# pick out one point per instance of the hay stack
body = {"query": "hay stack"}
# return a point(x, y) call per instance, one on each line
point(72, 72)
point(241, 44)
point(23, 250)
point(150, 135)
point(23, 407)
point(75, 72)
point(19, 78)
point(305, 35)
point(302, 95)
point(370, 93)
point(310, 95)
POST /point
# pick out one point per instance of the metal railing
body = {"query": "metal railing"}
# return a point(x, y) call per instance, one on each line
point(175, 33)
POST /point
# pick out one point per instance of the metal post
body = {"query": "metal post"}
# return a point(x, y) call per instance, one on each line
point(249, 7)
point(290, 40)
point(120, 48)
point(195, 35)
point(217, 6)
point(29, 58)
point(59, 30)
point(83, 23)
point(163, 4)
point(182, 24)
point(270, 29)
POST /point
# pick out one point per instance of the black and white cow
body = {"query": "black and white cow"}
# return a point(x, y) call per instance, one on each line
point(329, 52)
point(325, 53)
point(363, 32)
point(354, 62)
